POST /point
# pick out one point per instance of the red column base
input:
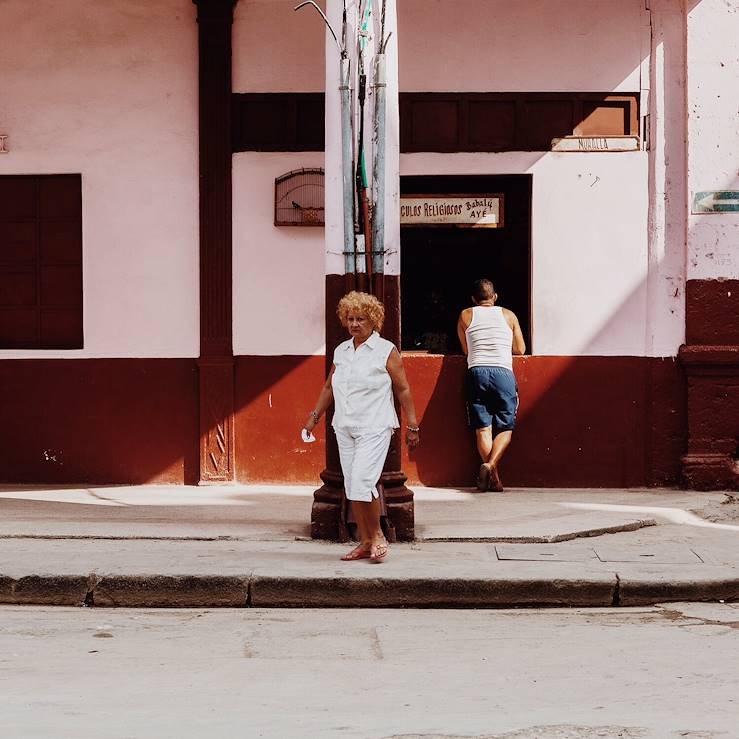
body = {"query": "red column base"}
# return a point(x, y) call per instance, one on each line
point(711, 472)
point(329, 512)
point(713, 410)
point(400, 507)
point(328, 515)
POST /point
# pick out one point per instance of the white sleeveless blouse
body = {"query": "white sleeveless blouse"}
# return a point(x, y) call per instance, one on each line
point(363, 390)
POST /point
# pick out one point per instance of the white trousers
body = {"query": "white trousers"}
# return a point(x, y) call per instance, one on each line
point(362, 454)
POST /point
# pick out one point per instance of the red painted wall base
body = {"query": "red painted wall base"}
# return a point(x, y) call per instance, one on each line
point(583, 421)
point(98, 421)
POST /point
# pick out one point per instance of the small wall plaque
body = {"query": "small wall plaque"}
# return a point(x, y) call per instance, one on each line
point(596, 143)
point(299, 198)
point(715, 201)
point(4, 144)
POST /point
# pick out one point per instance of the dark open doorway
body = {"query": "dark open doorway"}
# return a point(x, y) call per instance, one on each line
point(439, 264)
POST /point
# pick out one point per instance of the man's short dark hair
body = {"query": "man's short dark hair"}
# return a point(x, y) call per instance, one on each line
point(483, 290)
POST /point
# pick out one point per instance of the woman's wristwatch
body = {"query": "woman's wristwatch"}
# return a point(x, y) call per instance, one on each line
point(314, 415)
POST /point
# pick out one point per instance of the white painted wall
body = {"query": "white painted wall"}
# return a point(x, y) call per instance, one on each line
point(109, 90)
point(279, 287)
point(276, 49)
point(713, 155)
point(278, 277)
point(589, 246)
point(529, 45)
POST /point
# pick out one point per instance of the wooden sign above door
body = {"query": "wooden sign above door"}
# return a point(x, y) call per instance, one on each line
point(457, 211)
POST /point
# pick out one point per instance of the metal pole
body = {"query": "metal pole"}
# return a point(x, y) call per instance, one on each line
point(347, 167)
point(378, 220)
point(347, 137)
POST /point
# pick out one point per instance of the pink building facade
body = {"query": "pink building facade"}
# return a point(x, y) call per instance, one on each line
point(157, 326)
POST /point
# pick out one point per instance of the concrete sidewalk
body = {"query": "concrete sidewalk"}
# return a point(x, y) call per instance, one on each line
point(243, 546)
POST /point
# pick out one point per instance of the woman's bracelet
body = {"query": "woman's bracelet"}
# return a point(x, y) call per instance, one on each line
point(314, 415)
point(414, 429)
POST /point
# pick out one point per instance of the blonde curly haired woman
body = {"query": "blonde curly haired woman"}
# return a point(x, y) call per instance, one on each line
point(366, 370)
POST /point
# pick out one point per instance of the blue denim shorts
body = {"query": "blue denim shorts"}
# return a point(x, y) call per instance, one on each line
point(492, 398)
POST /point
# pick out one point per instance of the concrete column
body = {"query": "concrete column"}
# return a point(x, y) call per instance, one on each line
point(666, 135)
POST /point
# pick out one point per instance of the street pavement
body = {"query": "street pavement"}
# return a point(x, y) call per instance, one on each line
point(656, 672)
point(249, 546)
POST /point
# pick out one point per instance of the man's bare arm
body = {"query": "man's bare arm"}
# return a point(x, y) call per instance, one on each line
point(519, 345)
point(462, 323)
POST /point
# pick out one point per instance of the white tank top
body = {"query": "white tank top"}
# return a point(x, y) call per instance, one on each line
point(489, 338)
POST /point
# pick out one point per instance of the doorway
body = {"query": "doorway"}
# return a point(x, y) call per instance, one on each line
point(439, 263)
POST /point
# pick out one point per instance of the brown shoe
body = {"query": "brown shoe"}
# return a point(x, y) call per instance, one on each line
point(495, 484)
point(483, 478)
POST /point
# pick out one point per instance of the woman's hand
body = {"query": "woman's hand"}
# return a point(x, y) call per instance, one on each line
point(325, 398)
point(312, 421)
point(403, 394)
point(412, 437)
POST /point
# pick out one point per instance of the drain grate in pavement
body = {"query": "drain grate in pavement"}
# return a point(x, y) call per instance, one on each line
point(658, 555)
point(544, 553)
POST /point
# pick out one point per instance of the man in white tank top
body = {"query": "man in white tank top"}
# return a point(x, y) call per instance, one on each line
point(490, 335)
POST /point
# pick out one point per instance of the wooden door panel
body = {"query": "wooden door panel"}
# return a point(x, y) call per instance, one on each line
point(17, 243)
point(61, 328)
point(18, 288)
point(61, 241)
point(492, 125)
point(18, 328)
point(60, 196)
point(435, 125)
point(17, 198)
point(61, 285)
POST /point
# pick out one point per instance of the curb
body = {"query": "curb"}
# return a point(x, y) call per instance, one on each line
point(206, 591)
point(636, 592)
point(271, 592)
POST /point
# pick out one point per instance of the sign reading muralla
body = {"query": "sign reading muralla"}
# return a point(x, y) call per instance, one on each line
point(461, 211)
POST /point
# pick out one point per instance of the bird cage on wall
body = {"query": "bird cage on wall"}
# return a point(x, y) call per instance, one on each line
point(299, 198)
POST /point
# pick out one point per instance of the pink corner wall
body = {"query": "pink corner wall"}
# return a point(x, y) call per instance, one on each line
point(713, 154)
point(109, 90)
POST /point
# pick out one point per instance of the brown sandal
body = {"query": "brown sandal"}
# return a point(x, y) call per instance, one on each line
point(378, 552)
point(359, 552)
